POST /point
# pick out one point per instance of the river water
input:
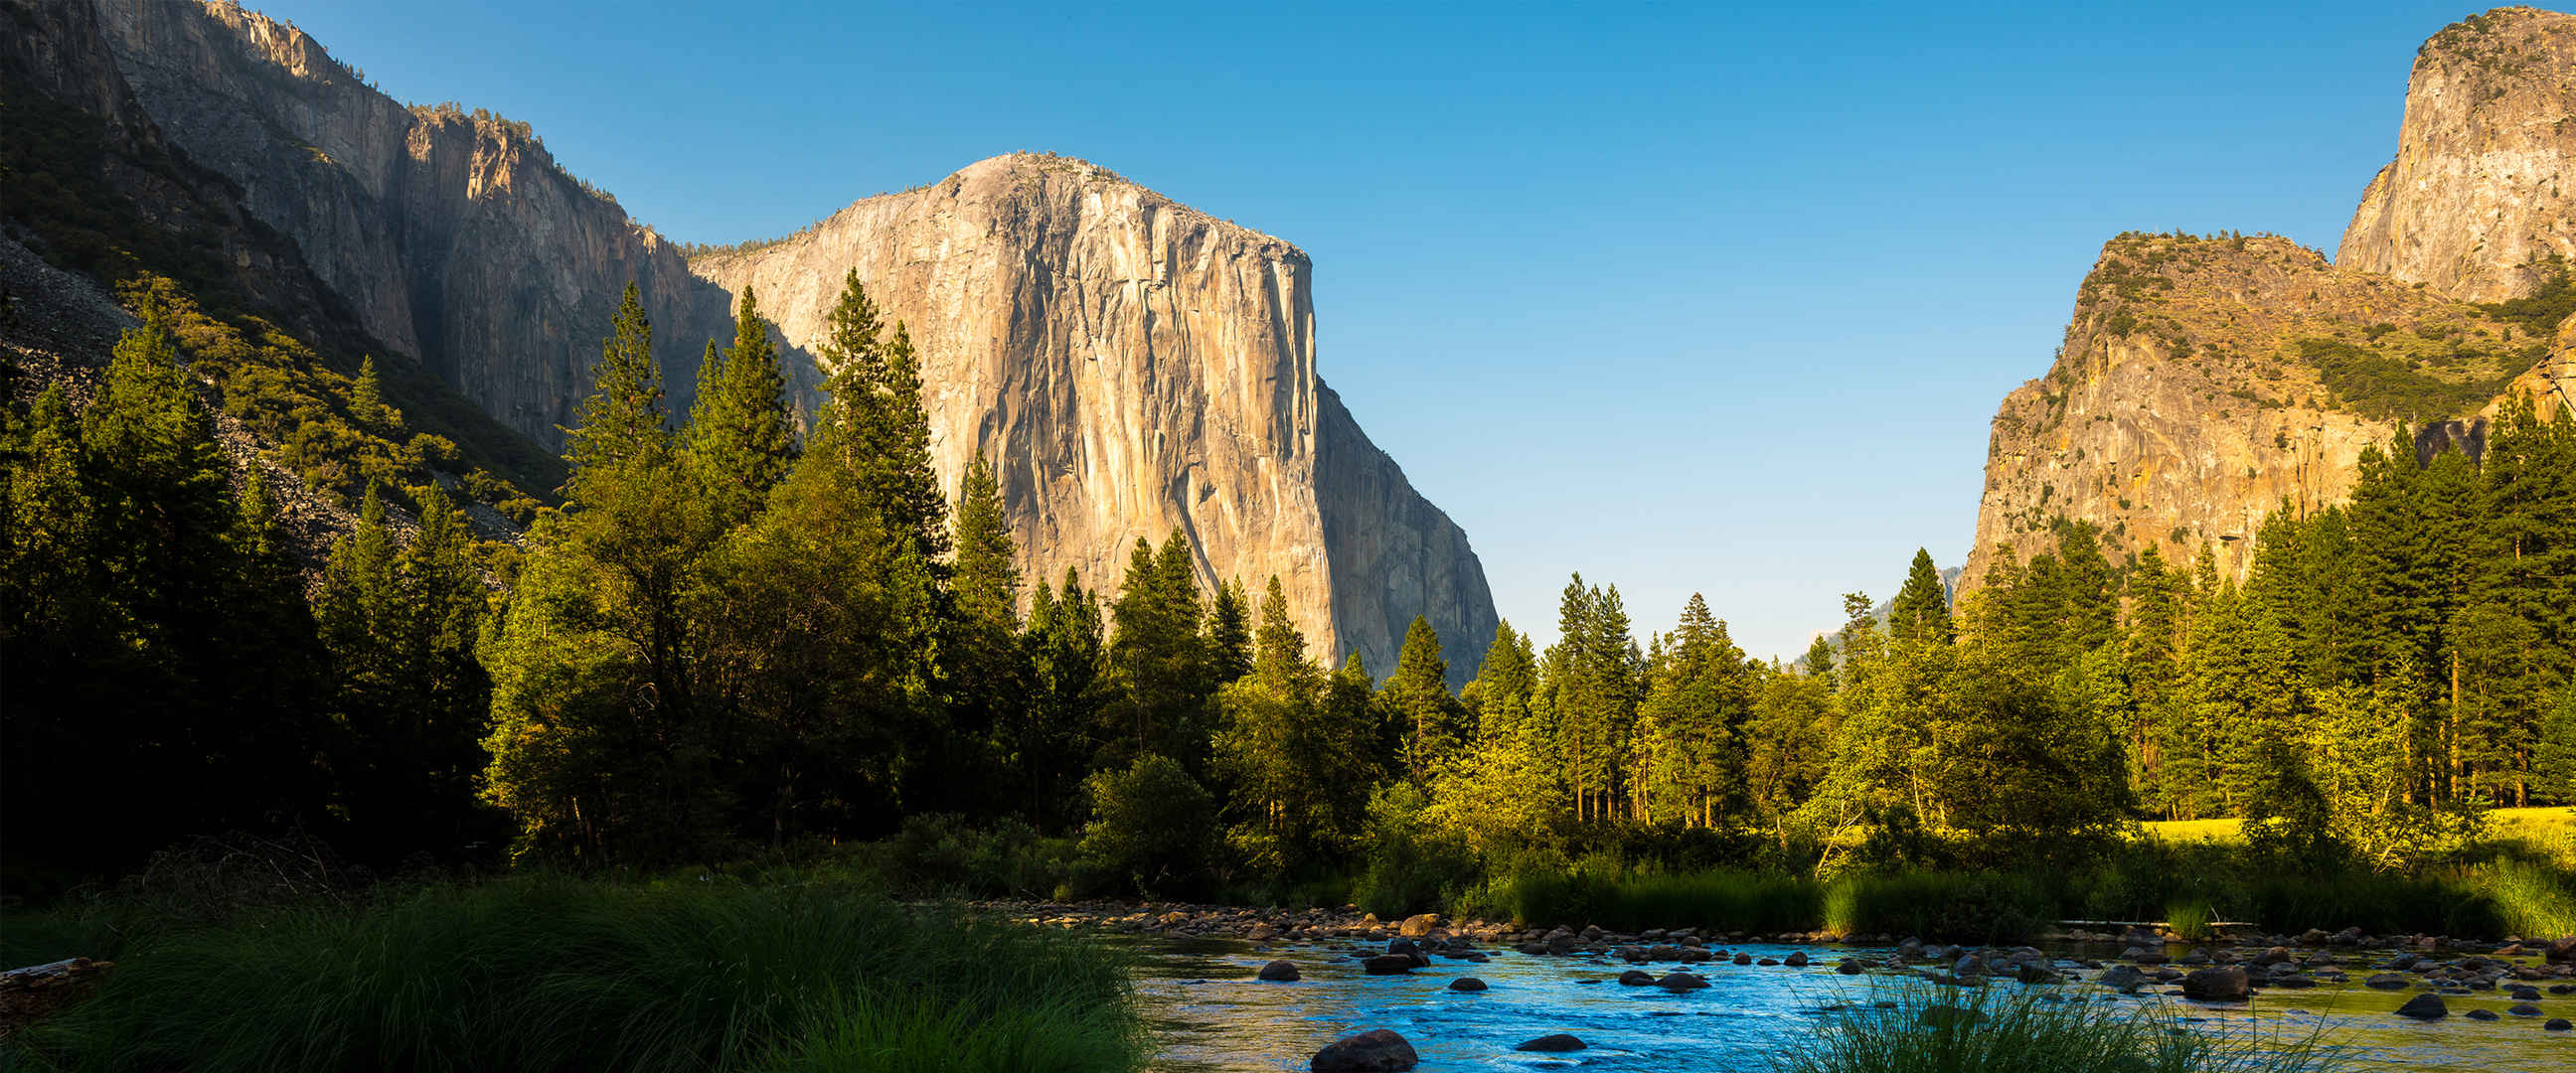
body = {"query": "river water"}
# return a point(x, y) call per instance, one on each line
point(1212, 1015)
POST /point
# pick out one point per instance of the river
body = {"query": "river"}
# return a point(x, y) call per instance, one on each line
point(1211, 1014)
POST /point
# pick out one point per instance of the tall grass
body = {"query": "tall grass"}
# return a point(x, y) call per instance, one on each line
point(2531, 900)
point(549, 973)
point(1950, 1031)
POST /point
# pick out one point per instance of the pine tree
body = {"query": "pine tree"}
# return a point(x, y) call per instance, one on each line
point(1229, 632)
point(741, 438)
point(366, 397)
point(1922, 608)
point(1819, 661)
point(1418, 696)
point(622, 420)
point(1069, 658)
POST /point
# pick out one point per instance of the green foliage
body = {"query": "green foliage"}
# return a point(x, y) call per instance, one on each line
point(282, 353)
point(546, 973)
point(2394, 388)
point(2189, 920)
point(1150, 826)
point(2540, 313)
point(1924, 1029)
point(150, 625)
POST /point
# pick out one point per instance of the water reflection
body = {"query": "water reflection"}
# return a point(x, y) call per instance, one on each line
point(1212, 1015)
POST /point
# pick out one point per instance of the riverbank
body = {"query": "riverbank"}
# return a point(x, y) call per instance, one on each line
point(570, 974)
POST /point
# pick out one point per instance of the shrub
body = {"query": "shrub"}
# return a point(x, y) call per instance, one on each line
point(1152, 826)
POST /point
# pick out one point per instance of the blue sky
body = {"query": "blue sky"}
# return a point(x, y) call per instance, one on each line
point(1685, 299)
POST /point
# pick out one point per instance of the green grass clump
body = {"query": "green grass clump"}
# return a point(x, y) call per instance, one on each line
point(547, 973)
point(1956, 1031)
point(2190, 920)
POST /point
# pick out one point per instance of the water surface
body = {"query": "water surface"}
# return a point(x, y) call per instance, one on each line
point(1212, 1015)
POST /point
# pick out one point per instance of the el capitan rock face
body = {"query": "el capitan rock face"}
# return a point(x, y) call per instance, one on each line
point(2205, 382)
point(2480, 192)
point(1134, 367)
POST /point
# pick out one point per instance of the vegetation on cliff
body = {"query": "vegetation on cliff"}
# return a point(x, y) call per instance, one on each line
point(280, 351)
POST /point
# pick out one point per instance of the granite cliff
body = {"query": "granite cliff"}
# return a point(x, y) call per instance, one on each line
point(453, 236)
point(2478, 197)
point(1132, 367)
point(2205, 381)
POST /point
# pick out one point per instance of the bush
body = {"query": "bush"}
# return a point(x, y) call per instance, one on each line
point(941, 854)
point(555, 974)
point(1152, 827)
point(1410, 870)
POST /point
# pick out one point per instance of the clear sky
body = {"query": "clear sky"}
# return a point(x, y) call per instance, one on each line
point(1690, 299)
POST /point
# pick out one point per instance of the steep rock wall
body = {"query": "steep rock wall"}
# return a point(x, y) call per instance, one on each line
point(1134, 367)
point(2484, 184)
point(455, 237)
point(2205, 382)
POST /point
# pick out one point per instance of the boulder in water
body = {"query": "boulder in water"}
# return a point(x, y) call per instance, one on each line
point(1280, 972)
point(1466, 983)
point(2424, 1008)
point(2226, 983)
point(1374, 1051)
point(1558, 1043)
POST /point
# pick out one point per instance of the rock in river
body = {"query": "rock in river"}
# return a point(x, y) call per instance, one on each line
point(1466, 983)
point(1555, 1044)
point(1280, 971)
point(1637, 978)
point(2226, 983)
point(1374, 1051)
point(2424, 1008)
point(1389, 965)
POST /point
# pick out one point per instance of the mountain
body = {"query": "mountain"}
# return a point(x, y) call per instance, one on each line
point(2477, 197)
point(453, 236)
point(2205, 381)
point(1132, 366)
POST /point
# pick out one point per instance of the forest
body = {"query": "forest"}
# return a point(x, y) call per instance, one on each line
point(735, 640)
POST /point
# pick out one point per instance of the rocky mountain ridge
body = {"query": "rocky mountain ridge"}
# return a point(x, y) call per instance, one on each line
point(2206, 381)
point(454, 236)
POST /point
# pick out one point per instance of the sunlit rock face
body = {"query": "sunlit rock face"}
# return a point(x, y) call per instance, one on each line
point(2483, 189)
point(2205, 382)
point(1132, 368)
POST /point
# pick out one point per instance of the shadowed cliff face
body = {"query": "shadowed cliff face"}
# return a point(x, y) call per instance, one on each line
point(1133, 367)
point(2206, 382)
point(2481, 190)
point(454, 237)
